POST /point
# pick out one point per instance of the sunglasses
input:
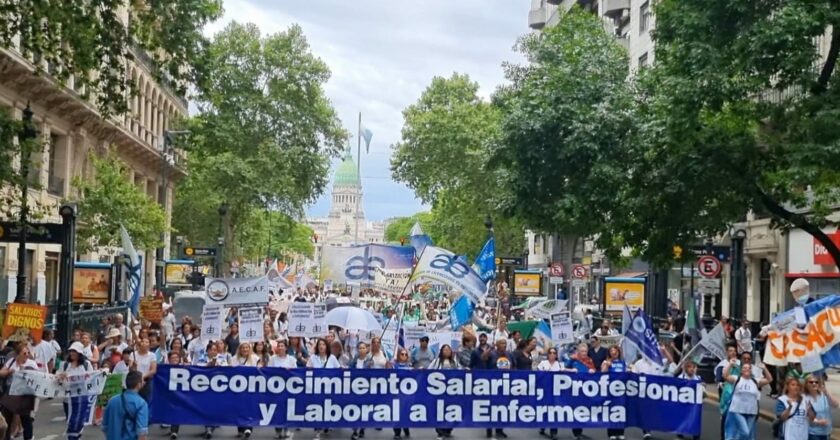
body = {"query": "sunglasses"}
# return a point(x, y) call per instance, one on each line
point(813, 381)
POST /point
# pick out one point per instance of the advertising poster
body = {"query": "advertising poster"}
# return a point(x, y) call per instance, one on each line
point(91, 283)
point(527, 283)
point(177, 272)
point(151, 309)
point(624, 291)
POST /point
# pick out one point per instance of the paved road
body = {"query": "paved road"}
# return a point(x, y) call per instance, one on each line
point(49, 425)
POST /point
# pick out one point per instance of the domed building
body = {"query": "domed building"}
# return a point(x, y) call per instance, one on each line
point(346, 225)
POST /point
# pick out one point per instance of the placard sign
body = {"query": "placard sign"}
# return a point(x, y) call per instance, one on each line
point(250, 325)
point(307, 320)
point(235, 292)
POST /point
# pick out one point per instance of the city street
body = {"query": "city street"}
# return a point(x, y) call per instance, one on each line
point(49, 425)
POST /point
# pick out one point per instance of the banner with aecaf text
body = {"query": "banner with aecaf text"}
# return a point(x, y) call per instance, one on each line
point(333, 398)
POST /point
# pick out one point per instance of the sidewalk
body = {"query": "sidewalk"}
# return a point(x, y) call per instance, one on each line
point(767, 406)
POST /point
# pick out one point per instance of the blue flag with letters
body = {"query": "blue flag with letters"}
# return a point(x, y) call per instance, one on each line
point(485, 263)
point(461, 312)
point(640, 333)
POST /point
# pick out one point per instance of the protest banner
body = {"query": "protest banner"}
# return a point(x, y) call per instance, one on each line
point(357, 264)
point(442, 266)
point(412, 335)
point(113, 386)
point(789, 343)
point(211, 323)
point(562, 328)
point(250, 325)
point(391, 281)
point(334, 398)
point(544, 309)
point(308, 320)
point(45, 385)
point(237, 292)
point(151, 309)
point(609, 341)
point(24, 320)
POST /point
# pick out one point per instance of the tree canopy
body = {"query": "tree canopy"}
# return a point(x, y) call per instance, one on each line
point(110, 199)
point(443, 156)
point(263, 137)
point(401, 227)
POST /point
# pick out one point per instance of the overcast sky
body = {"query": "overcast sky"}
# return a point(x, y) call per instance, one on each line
point(382, 54)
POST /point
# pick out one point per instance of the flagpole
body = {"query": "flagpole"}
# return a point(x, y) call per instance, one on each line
point(358, 173)
point(400, 298)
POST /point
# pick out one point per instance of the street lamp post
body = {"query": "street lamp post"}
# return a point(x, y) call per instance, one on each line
point(737, 286)
point(26, 134)
point(223, 209)
point(166, 157)
point(488, 223)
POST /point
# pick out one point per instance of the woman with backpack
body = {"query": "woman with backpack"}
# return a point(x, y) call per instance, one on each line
point(743, 407)
point(77, 408)
point(793, 413)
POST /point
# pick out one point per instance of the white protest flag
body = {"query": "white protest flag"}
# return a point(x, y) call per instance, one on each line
point(438, 264)
point(715, 341)
point(211, 323)
point(44, 385)
point(250, 325)
point(545, 309)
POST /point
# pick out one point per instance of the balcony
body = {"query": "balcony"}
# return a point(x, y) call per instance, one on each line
point(537, 18)
point(615, 8)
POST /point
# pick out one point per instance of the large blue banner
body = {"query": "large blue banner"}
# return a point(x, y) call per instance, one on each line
point(333, 398)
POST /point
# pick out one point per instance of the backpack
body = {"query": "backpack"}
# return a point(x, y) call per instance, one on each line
point(779, 425)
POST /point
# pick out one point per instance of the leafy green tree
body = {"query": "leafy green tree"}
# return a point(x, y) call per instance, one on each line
point(110, 199)
point(401, 227)
point(443, 155)
point(89, 40)
point(743, 114)
point(287, 237)
point(264, 135)
point(563, 155)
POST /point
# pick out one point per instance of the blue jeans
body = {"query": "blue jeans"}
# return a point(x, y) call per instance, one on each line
point(817, 437)
point(740, 426)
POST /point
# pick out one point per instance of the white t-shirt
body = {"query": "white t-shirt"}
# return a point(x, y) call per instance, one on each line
point(56, 346)
point(43, 353)
point(796, 427)
point(168, 325)
point(143, 361)
point(251, 361)
point(317, 362)
point(196, 348)
point(498, 335)
point(744, 338)
point(545, 365)
point(12, 364)
point(745, 397)
point(379, 360)
point(282, 362)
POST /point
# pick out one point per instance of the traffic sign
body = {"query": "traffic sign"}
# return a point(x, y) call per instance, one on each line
point(555, 270)
point(555, 280)
point(199, 252)
point(708, 266)
point(579, 271)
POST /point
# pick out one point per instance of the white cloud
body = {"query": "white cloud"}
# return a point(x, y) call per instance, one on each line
point(382, 54)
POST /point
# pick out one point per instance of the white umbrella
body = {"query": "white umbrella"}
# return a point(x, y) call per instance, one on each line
point(352, 318)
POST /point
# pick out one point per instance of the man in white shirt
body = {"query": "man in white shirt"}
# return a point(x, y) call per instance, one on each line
point(168, 324)
point(44, 354)
point(743, 337)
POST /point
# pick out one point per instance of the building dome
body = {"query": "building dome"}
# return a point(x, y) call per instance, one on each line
point(347, 174)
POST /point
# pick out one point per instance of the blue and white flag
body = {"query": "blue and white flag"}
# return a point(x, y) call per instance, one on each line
point(628, 349)
point(485, 263)
point(461, 312)
point(640, 333)
point(367, 135)
point(442, 266)
point(419, 240)
point(134, 272)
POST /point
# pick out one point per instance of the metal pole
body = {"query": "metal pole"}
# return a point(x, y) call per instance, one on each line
point(26, 133)
point(268, 252)
point(65, 280)
point(359, 175)
point(159, 252)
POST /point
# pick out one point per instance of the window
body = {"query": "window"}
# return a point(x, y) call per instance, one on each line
point(55, 183)
point(644, 17)
point(643, 61)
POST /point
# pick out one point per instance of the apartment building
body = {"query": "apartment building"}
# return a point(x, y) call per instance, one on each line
point(72, 130)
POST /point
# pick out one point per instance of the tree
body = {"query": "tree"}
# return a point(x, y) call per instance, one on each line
point(562, 154)
point(443, 157)
point(90, 41)
point(401, 227)
point(288, 237)
point(110, 199)
point(744, 113)
point(264, 135)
